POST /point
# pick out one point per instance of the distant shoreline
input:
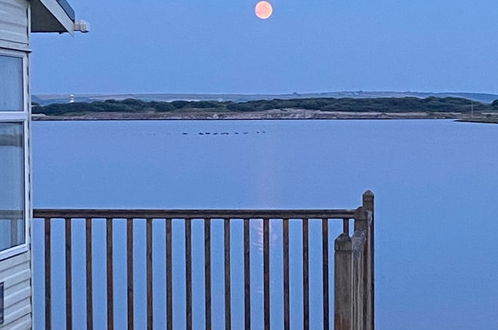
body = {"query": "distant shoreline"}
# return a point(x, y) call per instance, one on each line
point(479, 120)
point(286, 114)
point(275, 109)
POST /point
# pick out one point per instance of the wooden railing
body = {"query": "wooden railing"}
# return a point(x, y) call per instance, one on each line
point(354, 271)
point(354, 264)
point(15, 219)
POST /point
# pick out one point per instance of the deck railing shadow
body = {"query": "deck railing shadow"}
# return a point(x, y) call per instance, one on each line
point(353, 264)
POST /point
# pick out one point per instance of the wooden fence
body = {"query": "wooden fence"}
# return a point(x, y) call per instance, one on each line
point(354, 264)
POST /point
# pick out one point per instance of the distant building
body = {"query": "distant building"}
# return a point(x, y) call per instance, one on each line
point(17, 19)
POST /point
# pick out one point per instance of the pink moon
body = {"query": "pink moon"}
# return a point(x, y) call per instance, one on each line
point(263, 9)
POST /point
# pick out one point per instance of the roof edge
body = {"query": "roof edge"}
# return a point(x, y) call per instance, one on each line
point(52, 16)
point(67, 8)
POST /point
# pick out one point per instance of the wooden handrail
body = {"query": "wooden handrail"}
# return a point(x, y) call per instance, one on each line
point(353, 262)
point(11, 214)
point(192, 214)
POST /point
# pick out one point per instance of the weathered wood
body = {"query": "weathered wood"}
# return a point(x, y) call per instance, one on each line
point(89, 274)
point(110, 284)
point(358, 294)
point(48, 274)
point(228, 311)
point(266, 272)
point(286, 274)
point(150, 276)
point(325, 272)
point(169, 276)
point(354, 266)
point(129, 272)
point(193, 214)
point(368, 205)
point(188, 273)
point(306, 283)
point(69, 277)
point(345, 226)
point(362, 230)
point(358, 280)
point(247, 275)
point(343, 293)
point(207, 271)
point(360, 219)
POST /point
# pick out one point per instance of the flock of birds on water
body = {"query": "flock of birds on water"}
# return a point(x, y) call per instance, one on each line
point(225, 133)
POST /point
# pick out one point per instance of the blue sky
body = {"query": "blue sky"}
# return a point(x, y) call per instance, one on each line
point(219, 46)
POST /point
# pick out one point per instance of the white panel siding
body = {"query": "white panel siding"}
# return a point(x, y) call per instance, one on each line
point(14, 23)
point(22, 323)
point(15, 273)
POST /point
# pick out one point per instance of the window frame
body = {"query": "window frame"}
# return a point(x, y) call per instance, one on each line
point(24, 118)
point(22, 56)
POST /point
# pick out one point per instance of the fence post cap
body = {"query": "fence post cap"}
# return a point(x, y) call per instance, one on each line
point(368, 200)
point(368, 194)
point(343, 243)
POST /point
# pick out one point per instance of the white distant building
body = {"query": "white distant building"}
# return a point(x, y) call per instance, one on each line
point(17, 19)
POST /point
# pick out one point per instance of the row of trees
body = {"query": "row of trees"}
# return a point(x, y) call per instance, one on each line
point(406, 104)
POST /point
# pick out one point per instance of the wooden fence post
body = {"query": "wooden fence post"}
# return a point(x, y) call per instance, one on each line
point(368, 205)
point(343, 293)
point(359, 285)
point(360, 268)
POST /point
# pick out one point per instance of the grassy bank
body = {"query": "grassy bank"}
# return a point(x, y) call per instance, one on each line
point(318, 108)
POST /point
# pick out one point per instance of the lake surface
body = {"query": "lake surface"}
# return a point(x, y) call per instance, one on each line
point(435, 184)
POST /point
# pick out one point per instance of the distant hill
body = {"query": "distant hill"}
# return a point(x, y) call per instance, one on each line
point(67, 98)
point(381, 104)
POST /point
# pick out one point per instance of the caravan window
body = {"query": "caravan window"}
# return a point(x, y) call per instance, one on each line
point(12, 201)
point(13, 170)
point(11, 83)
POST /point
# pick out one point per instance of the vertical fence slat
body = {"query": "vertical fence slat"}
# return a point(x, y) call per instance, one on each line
point(247, 275)
point(129, 272)
point(110, 284)
point(150, 276)
point(286, 274)
point(266, 271)
point(361, 252)
point(368, 204)
point(89, 274)
point(325, 272)
point(358, 287)
point(69, 277)
point(228, 311)
point(306, 289)
point(207, 270)
point(358, 278)
point(169, 277)
point(345, 226)
point(14, 232)
point(48, 275)
point(188, 272)
point(343, 268)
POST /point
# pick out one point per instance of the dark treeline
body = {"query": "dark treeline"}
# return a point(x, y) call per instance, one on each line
point(405, 104)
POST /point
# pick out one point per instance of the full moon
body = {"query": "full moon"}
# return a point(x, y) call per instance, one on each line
point(263, 9)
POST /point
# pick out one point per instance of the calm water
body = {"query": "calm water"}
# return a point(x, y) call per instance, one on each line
point(436, 202)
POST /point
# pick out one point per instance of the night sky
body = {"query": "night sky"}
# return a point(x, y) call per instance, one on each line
point(220, 46)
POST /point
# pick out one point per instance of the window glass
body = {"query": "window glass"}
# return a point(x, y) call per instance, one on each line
point(11, 185)
point(11, 83)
